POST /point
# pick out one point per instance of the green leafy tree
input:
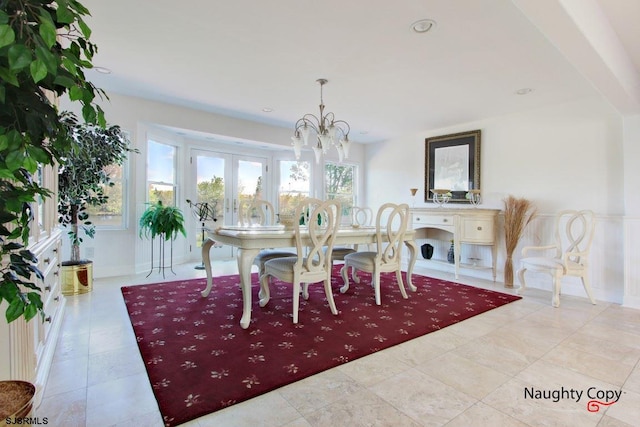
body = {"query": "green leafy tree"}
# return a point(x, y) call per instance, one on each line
point(165, 196)
point(211, 191)
point(113, 206)
point(44, 50)
point(338, 179)
point(339, 185)
point(83, 177)
point(300, 171)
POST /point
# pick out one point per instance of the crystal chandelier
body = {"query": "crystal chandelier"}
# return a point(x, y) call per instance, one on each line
point(328, 130)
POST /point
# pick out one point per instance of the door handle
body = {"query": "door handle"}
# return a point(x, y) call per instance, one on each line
point(235, 205)
point(226, 205)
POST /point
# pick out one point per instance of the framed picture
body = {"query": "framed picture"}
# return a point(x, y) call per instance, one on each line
point(452, 162)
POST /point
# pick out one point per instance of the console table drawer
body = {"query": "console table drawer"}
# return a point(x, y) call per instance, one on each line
point(477, 230)
point(433, 220)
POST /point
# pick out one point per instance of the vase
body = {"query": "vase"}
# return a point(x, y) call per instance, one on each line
point(427, 251)
point(451, 256)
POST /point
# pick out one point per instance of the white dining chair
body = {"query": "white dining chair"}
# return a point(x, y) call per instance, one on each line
point(261, 212)
point(391, 224)
point(361, 217)
point(312, 263)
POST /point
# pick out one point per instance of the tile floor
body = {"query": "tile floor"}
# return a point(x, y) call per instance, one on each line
point(474, 373)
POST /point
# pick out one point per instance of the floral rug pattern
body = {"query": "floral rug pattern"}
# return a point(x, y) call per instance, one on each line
point(200, 360)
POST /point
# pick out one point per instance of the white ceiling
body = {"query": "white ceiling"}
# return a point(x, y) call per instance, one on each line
point(238, 57)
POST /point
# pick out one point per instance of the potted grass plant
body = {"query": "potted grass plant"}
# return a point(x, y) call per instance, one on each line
point(160, 220)
point(518, 213)
point(82, 179)
point(164, 221)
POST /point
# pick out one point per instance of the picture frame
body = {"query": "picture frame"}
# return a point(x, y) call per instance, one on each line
point(452, 162)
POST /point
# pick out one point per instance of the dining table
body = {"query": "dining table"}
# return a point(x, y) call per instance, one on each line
point(250, 240)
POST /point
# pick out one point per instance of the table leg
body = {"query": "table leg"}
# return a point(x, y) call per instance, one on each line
point(245, 261)
point(206, 260)
point(413, 255)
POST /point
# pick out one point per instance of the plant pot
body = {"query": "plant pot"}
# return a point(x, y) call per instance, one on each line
point(77, 277)
point(288, 220)
point(427, 251)
point(451, 256)
point(16, 400)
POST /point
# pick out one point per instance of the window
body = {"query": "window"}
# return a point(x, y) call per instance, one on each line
point(339, 184)
point(295, 184)
point(113, 213)
point(161, 173)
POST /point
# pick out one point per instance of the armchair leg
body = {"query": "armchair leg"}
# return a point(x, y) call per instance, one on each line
point(555, 299)
point(401, 284)
point(376, 286)
point(523, 284)
point(296, 301)
point(344, 272)
point(354, 275)
point(264, 294)
point(587, 287)
point(329, 293)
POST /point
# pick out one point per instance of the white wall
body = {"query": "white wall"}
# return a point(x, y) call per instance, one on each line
point(632, 210)
point(119, 252)
point(566, 156)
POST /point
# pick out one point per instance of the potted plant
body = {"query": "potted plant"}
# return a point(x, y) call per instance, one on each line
point(164, 221)
point(81, 183)
point(44, 50)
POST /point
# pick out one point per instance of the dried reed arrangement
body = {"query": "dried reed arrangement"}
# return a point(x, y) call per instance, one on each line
point(518, 213)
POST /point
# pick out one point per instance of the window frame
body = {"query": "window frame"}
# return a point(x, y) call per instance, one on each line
point(279, 180)
point(124, 182)
point(176, 171)
point(355, 187)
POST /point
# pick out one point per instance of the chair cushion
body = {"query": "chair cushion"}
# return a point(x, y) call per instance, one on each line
point(280, 266)
point(361, 260)
point(267, 254)
point(341, 252)
point(542, 263)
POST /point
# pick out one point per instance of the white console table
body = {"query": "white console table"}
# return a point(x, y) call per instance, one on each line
point(464, 226)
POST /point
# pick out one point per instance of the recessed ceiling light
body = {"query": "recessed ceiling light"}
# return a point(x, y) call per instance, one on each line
point(364, 132)
point(423, 25)
point(524, 91)
point(102, 70)
point(267, 110)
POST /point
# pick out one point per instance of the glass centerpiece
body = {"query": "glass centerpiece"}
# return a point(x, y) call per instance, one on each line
point(441, 196)
point(474, 197)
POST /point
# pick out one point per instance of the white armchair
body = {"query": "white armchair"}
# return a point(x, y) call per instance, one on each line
point(567, 257)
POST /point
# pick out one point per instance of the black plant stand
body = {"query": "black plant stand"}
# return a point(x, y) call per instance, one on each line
point(203, 211)
point(161, 262)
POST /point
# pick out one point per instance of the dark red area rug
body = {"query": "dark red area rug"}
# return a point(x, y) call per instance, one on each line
point(200, 360)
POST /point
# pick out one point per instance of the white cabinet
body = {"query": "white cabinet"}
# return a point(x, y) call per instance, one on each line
point(462, 226)
point(479, 230)
point(27, 348)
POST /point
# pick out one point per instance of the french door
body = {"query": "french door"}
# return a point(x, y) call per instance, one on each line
point(223, 181)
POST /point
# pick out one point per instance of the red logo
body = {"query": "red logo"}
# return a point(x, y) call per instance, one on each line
point(594, 405)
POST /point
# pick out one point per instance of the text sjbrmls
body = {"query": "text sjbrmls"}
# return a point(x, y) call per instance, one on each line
point(572, 394)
